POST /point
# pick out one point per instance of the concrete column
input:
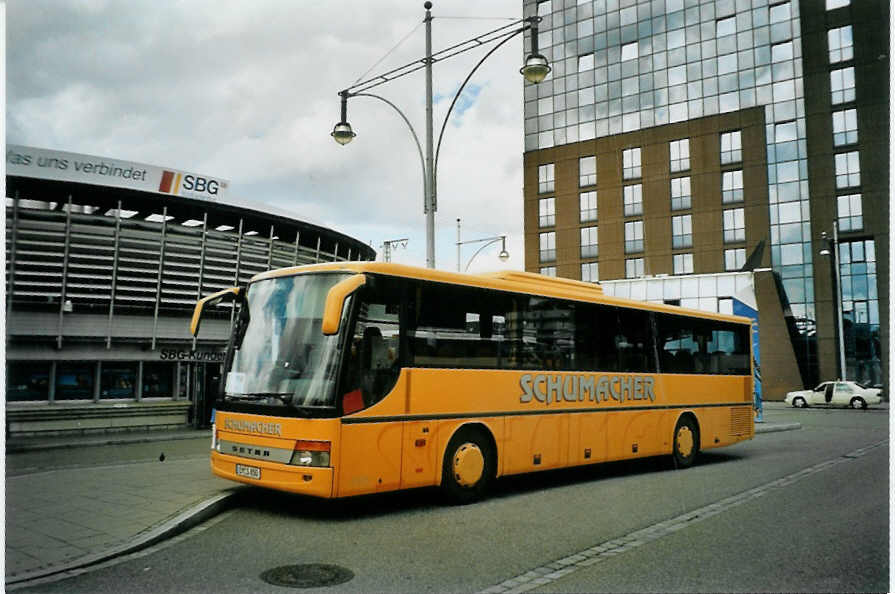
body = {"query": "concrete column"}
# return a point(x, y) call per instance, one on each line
point(138, 389)
point(97, 380)
point(51, 383)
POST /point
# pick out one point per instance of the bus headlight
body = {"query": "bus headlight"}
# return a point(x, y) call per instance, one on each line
point(311, 453)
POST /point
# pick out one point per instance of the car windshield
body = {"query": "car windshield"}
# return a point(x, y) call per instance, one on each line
point(281, 358)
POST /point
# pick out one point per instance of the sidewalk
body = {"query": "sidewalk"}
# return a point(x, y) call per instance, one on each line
point(63, 519)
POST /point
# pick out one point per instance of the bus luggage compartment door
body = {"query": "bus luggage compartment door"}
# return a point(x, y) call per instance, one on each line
point(420, 457)
point(370, 458)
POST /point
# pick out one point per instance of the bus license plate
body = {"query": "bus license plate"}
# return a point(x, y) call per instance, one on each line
point(252, 472)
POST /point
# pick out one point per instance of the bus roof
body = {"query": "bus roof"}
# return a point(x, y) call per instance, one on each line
point(510, 280)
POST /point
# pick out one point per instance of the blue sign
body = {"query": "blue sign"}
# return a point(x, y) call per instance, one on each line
point(740, 308)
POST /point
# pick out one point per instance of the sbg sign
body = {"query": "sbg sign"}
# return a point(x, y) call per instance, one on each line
point(200, 184)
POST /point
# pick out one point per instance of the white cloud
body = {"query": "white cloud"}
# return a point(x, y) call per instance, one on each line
point(248, 91)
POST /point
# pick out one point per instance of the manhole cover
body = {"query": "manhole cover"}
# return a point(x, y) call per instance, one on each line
point(310, 575)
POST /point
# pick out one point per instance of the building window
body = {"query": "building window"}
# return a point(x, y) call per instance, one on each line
point(850, 212)
point(548, 246)
point(588, 206)
point(590, 272)
point(732, 186)
point(860, 310)
point(680, 193)
point(726, 26)
point(631, 163)
point(683, 263)
point(840, 43)
point(780, 13)
point(585, 62)
point(842, 85)
point(734, 259)
point(633, 237)
point(785, 132)
point(545, 178)
point(832, 4)
point(731, 147)
point(588, 242)
point(633, 267)
point(587, 171)
point(157, 379)
point(681, 231)
point(848, 170)
point(679, 154)
point(28, 380)
point(548, 271)
point(546, 212)
point(544, 8)
point(74, 381)
point(734, 225)
point(629, 51)
point(845, 127)
point(633, 200)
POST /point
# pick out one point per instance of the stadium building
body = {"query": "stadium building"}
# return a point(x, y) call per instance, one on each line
point(105, 260)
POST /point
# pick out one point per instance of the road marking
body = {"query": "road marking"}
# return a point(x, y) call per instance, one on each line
point(551, 572)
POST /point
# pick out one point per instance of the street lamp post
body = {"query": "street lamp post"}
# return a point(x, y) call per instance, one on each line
point(387, 246)
point(504, 255)
point(535, 69)
point(832, 249)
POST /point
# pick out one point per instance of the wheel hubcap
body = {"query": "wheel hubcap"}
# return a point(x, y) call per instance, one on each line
point(468, 465)
point(684, 441)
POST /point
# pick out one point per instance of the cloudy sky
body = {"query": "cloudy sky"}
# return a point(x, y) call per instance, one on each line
point(247, 91)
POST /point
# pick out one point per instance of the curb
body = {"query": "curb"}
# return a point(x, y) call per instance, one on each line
point(180, 523)
point(774, 427)
point(18, 448)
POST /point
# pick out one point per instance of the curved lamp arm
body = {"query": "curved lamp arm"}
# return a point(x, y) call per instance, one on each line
point(450, 109)
point(491, 240)
point(416, 139)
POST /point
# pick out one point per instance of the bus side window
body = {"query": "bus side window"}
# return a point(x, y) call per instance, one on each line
point(633, 340)
point(373, 362)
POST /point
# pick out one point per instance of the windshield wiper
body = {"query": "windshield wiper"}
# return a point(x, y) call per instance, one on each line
point(284, 397)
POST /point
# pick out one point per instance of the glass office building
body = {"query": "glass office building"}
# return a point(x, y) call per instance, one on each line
point(624, 71)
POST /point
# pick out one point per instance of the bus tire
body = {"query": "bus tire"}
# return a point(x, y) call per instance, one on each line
point(685, 442)
point(468, 467)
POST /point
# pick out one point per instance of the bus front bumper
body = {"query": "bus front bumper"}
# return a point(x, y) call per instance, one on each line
point(305, 480)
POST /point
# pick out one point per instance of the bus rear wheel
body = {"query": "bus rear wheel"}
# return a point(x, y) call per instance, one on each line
point(686, 442)
point(468, 467)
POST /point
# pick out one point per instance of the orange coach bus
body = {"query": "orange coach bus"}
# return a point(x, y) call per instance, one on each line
point(360, 377)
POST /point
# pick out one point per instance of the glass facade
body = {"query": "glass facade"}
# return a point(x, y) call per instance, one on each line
point(660, 62)
point(708, 292)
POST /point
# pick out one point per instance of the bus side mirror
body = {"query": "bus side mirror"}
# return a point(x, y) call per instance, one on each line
point(335, 301)
point(211, 300)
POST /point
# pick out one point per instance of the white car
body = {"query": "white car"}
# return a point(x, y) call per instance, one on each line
point(835, 394)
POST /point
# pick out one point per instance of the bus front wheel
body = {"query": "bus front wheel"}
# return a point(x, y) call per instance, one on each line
point(468, 466)
point(686, 442)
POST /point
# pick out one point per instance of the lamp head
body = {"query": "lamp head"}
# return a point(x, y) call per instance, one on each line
point(504, 255)
point(536, 68)
point(342, 133)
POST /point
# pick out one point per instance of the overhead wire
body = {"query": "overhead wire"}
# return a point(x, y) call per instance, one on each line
point(388, 53)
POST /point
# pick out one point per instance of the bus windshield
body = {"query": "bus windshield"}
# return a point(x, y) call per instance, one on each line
point(280, 356)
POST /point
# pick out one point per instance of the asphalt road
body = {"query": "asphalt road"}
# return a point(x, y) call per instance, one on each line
point(729, 523)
